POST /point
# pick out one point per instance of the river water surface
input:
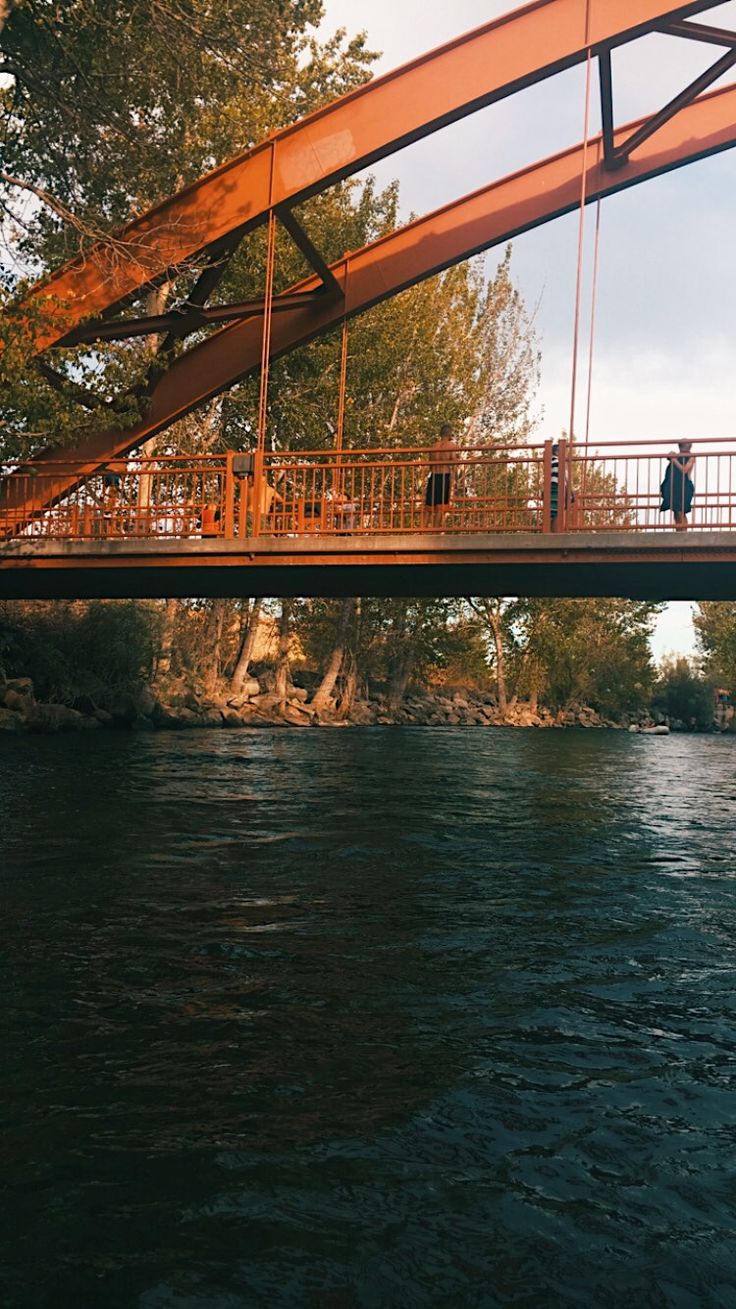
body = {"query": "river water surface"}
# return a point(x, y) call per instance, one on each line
point(379, 1017)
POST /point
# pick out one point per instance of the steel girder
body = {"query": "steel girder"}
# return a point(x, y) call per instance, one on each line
point(490, 216)
point(642, 565)
point(491, 62)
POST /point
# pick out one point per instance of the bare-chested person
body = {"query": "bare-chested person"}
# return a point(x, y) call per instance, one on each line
point(438, 494)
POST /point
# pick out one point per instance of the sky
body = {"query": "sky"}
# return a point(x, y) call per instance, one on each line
point(664, 364)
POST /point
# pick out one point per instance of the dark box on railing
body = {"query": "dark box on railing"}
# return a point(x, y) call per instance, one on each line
point(243, 465)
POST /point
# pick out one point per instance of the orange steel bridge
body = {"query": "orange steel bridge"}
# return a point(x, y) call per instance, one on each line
point(356, 522)
point(178, 522)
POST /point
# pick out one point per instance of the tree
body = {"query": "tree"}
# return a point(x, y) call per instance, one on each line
point(715, 626)
point(492, 613)
point(682, 693)
point(112, 106)
point(338, 655)
point(281, 683)
point(79, 648)
point(84, 146)
point(508, 362)
point(594, 652)
point(248, 633)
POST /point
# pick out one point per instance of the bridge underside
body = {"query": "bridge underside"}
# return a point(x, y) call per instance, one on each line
point(651, 566)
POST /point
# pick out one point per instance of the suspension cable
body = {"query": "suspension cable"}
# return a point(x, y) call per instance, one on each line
point(267, 308)
point(593, 308)
point(266, 337)
point(581, 228)
point(343, 384)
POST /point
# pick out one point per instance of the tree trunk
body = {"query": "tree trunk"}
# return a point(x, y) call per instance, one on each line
point(350, 663)
point(213, 645)
point(494, 618)
point(247, 645)
point(282, 663)
point(402, 661)
point(400, 675)
point(349, 687)
point(168, 629)
point(323, 694)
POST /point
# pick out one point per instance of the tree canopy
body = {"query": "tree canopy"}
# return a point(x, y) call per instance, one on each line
point(715, 627)
point(106, 109)
point(111, 107)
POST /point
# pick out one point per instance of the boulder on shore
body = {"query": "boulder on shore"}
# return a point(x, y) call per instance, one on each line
point(54, 718)
point(122, 707)
point(249, 688)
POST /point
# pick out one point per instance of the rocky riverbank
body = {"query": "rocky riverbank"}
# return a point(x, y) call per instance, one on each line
point(175, 706)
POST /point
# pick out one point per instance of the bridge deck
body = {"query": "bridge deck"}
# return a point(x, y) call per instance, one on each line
point(643, 565)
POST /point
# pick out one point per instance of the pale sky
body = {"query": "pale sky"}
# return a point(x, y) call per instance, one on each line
point(664, 360)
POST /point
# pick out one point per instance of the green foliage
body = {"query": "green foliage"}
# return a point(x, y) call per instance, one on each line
point(113, 106)
point(108, 108)
point(594, 652)
point(715, 625)
point(71, 648)
point(683, 693)
point(507, 360)
point(61, 399)
point(410, 641)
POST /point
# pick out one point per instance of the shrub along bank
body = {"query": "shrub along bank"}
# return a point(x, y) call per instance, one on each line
point(150, 666)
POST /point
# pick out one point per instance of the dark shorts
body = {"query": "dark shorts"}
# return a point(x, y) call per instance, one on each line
point(438, 489)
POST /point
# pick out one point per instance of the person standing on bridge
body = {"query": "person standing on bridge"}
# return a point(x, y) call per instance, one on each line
point(677, 487)
point(568, 495)
point(438, 493)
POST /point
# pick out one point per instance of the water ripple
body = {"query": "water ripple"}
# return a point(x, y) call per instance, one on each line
point(368, 1019)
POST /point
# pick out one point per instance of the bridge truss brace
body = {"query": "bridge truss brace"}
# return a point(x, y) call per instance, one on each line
point(194, 313)
point(617, 155)
point(496, 60)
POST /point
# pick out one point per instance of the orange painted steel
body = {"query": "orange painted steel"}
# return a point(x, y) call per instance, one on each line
point(493, 61)
point(488, 217)
point(137, 498)
point(364, 494)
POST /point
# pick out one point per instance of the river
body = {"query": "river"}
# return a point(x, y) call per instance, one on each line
point(374, 1017)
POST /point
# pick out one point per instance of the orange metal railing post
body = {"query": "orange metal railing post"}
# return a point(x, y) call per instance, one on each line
point(563, 486)
point(244, 493)
point(547, 487)
point(229, 515)
point(257, 497)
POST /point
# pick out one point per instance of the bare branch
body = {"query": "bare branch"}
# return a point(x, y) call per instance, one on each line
point(49, 200)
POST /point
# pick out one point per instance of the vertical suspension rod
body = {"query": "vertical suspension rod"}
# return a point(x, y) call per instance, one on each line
point(581, 230)
point(339, 435)
point(342, 391)
point(258, 473)
point(591, 348)
point(266, 335)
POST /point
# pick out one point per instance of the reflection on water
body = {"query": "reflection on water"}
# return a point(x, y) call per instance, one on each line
point(379, 1017)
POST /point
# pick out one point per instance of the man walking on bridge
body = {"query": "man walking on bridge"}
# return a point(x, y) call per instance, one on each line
point(438, 493)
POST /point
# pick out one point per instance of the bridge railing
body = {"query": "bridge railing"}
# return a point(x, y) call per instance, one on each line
point(381, 492)
point(617, 486)
point(535, 488)
point(169, 496)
